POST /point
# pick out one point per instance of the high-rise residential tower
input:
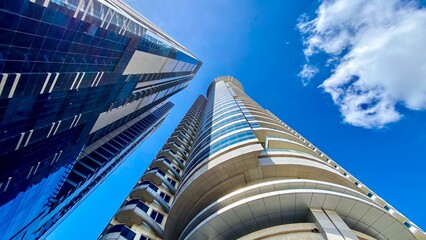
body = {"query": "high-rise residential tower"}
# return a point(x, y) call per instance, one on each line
point(232, 169)
point(83, 82)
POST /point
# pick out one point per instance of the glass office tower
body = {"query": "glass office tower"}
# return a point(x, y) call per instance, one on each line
point(82, 83)
point(248, 175)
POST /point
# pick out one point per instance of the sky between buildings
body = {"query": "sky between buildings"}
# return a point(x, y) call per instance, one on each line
point(350, 76)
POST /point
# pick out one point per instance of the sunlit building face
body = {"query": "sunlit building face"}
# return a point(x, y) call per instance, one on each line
point(232, 169)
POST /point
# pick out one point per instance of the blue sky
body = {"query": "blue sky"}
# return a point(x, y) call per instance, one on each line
point(345, 81)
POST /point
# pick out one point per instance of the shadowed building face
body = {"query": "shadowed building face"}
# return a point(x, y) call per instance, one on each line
point(82, 83)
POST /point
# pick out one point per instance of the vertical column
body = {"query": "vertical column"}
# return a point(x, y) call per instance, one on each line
point(331, 225)
point(340, 225)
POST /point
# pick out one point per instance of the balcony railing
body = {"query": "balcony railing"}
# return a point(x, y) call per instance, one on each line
point(136, 212)
point(119, 232)
point(148, 192)
point(157, 176)
point(170, 154)
point(165, 165)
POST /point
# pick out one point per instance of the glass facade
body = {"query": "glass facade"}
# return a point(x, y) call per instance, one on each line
point(73, 74)
point(224, 124)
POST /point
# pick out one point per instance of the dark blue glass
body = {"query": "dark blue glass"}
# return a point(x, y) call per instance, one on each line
point(28, 25)
point(74, 47)
point(42, 66)
point(55, 32)
point(59, 19)
point(92, 30)
point(69, 35)
point(6, 36)
point(50, 44)
point(16, 53)
point(123, 230)
point(34, 11)
point(86, 39)
point(12, 66)
point(42, 28)
point(82, 48)
point(48, 15)
point(73, 24)
point(83, 27)
point(64, 46)
point(23, 39)
point(11, 5)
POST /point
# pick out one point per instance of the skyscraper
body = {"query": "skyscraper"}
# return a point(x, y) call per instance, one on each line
point(232, 169)
point(82, 83)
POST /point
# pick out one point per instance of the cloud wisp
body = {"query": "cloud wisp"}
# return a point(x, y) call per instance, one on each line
point(377, 48)
point(308, 72)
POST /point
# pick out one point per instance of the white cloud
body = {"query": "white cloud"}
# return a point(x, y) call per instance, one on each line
point(377, 48)
point(308, 72)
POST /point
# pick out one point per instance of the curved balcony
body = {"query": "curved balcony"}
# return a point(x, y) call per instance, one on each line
point(179, 154)
point(277, 152)
point(180, 149)
point(170, 154)
point(185, 128)
point(119, 232)
point(182, 135)
point(147, 192)
point(144, 191)
point(286, 143)
point(177, 138)
point(135, 212)
point(283, 202)
point(157, 176)
point(165, 165)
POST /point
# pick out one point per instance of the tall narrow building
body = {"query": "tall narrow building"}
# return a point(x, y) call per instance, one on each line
point(83, 82)
point(248, 175)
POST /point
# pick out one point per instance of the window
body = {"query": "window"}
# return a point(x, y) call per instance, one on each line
point(173, 182)
point(177, 169)
point(165, 197)
point(139, 204)
point(410, 227)
point(143, 237)
point(150, 185)
point(123, 230)
point(370, 195)
point(158, 217)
